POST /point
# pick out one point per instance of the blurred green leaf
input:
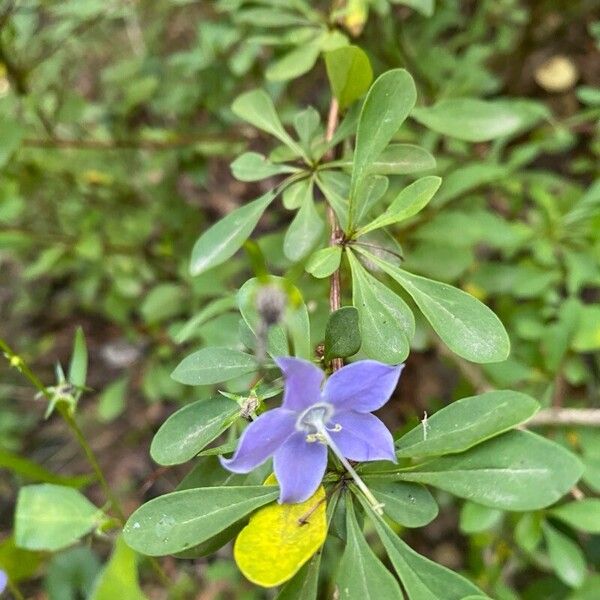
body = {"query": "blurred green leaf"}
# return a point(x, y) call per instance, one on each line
point(119, 578)
point(583, 515)
point(349, 72)
point(566, 557)
point(79, 360)
point(475, 120)
point(51, 517)
point(221, 241)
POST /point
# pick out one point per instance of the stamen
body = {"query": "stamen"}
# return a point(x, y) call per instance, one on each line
point(337, 427)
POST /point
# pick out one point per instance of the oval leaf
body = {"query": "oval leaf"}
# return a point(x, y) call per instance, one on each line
point(582, 514)
point(280, 538)
point(467, 422)
point(388, 103)
point(342, 335)
point(221, 241)
point(515, 471)
point(191, 429)
point(386, 322)
point(179, 521)
point(408, 504)
point(475, 120)
point(213, 365)
point(407, 203)
point(51, 517)
point(468, 327)
point(349, 72)
point(304, 231)
point(361, 575)
point(252, 166)
point(324, 262)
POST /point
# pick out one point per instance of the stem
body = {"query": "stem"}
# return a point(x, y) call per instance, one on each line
point(335, 293)
point(375, 504)
point(16, 361)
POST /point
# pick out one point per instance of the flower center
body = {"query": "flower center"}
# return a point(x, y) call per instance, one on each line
point(314, 418)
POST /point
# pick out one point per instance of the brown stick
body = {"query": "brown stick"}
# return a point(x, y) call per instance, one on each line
point(586, 417)
point(335, 293)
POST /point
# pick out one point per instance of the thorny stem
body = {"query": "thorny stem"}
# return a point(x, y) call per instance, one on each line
point(335, 294)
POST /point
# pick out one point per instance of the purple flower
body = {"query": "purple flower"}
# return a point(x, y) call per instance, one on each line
point(3, 581)
point(310, 419)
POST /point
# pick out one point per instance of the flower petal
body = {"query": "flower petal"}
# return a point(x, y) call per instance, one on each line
point(260, 440)
point(299, 467)
point(363, 437)
point(363, 386)
point(302, 382)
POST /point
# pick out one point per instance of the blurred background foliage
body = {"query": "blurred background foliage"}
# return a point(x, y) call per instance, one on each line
point(116, 136)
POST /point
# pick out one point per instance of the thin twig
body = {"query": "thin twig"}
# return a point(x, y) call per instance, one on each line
point(585, 417)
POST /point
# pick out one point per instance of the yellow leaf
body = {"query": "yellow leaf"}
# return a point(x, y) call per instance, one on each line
point(280, 538)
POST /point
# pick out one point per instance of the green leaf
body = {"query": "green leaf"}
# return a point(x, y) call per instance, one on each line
point(51, 517)
point(583, 515)
point(213, 365)
point(515, 471)
point(467, 422)
point(190, 429)
point(71, 574)
point(119, 578)
point(475, 120)
point(361, 575)
point(408, 504)
point(425, 7)
point(162, 302)
point(306, 125)
point(342, 334)
point(422, 578)
point(386, 322)
point(324, 262)
point(112, 400)
point(386, 106)
point(334, 186)
point(305, 584)
point(11, 134)
point(31, 470)
point(407, 203)
point(567, 559)
point(294, 63)
point(304, 231)
point(349, 72)
point(528, 532)
point(475, 518)
point(252, 166)
point(79, 360)
point(181, 520)
point(468, 327)
point(297, 194)
point(403, 159)
point(221, 241)
point(210, 310)
point(256, 107)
